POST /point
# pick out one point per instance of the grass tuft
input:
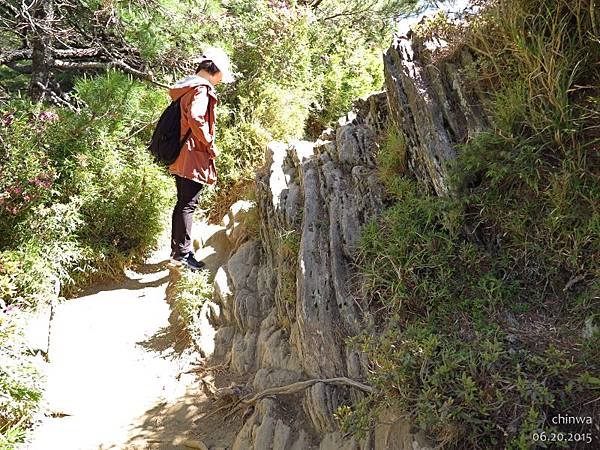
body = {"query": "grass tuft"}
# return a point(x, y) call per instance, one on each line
point(190, 291)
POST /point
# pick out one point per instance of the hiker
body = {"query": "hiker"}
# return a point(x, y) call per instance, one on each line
point(195, 167)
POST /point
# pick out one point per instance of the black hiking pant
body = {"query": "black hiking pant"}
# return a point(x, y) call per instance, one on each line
point(188, 192)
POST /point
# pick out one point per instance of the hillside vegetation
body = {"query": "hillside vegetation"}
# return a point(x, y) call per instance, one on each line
point(486, 307)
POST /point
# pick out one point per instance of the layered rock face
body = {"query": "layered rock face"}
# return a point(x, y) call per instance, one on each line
point(288, 300)
point(432, 104)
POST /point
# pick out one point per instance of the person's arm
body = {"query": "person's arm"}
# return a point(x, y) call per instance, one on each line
point(198, 124)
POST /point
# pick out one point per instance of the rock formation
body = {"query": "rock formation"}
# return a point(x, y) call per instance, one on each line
point(286, 302)
point(432, 104)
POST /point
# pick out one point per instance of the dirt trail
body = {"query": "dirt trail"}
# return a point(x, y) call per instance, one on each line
point(118, 359)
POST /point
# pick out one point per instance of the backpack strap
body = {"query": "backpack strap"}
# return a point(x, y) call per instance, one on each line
point(185, 138)
point(189, 131)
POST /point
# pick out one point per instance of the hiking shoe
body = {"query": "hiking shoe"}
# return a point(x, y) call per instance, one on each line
point(189, 261)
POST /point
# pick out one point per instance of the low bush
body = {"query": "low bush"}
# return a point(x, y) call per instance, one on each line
point(465, 337)
point(78, 189)
point(190, 291)
point(288, 248)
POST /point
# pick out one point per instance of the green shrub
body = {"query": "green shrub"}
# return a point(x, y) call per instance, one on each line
point(20, 383)
point(38, 247)
point(288, 242)
point(350, 72)
point(443, 351)
point(191, 291)
point(79, 188)
point(391, 161)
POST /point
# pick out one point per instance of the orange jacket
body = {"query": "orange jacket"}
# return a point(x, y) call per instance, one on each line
point(196, 159)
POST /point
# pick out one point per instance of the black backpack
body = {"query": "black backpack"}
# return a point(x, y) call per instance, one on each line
point(165, 144)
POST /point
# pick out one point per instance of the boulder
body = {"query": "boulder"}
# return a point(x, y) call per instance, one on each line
point(235, 221)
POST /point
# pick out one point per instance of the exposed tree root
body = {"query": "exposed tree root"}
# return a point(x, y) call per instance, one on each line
point(250, 399)
point(301, 385)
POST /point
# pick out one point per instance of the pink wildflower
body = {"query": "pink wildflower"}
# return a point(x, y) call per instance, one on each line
point(7, 119)
point(48, 116)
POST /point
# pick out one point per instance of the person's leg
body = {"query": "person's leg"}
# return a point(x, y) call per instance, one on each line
point(188, 192)
point(177, 224)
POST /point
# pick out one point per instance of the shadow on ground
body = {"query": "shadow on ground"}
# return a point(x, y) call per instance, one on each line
point(190, 412)
point(140, 277)
point(188, 421)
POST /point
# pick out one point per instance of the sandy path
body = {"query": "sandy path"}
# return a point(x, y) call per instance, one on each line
point(117, 357)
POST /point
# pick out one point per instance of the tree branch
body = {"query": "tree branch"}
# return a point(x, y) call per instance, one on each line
point(351, 12)
point(77, 52)
point(15, 55)
point(90, 65)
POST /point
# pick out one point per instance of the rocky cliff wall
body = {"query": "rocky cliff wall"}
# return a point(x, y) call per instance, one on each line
point(287, 300)
point(432, 103)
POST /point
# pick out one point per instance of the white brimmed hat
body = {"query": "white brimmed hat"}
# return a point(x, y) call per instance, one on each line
point(221, 60)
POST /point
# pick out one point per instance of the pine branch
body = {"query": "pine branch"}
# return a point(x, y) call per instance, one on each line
point(15, 55)
point(77, 52)
point(90, 65)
